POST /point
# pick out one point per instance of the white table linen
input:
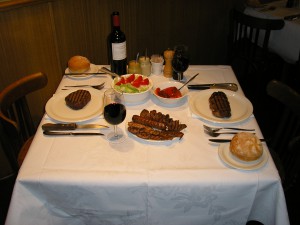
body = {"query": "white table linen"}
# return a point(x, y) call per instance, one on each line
point(284, 42)
point(87, 180)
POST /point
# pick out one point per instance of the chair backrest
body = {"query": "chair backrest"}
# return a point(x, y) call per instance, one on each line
point(247, 32)
point(286, 140)
point(15, 118)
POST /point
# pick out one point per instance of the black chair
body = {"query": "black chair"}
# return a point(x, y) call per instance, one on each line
point(248, 51)
point(17, 126)
point(285, 143)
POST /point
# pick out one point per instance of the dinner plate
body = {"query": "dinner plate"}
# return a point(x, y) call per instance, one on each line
point(93, 69)
point(241, 107)
point(148, 140)
point(57, 109)
point(228, 158)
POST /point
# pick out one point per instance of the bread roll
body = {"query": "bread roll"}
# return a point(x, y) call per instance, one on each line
point(246, 146)
point(78, 64)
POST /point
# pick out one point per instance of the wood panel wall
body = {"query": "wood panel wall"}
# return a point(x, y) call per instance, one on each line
point(43, 35)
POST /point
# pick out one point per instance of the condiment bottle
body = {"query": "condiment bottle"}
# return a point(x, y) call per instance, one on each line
point(168, 70)
point(145, 65)
point(134, 67)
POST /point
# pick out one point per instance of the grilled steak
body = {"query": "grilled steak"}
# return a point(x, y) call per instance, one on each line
point(78, 99)
point(219, 105)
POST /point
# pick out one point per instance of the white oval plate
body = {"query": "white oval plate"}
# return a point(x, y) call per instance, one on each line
point(57, 109)
point(241, 107)
point(232, 161)
point(93, 69)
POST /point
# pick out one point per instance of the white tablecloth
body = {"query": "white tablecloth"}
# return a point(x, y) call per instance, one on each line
point(284, 42)
point(87, 180)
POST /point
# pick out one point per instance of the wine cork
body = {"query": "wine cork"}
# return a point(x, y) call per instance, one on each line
point(168, 70)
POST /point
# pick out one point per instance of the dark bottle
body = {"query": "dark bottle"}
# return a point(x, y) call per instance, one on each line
point(290, 3)
point(117, 47)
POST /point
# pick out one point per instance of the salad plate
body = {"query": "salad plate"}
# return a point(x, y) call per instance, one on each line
point(136, 88)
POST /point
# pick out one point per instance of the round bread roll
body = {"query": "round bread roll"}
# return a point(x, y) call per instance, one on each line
point(78, 64)
point(246, 146)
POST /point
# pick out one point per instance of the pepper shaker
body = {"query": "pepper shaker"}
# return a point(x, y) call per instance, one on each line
point(168, 70)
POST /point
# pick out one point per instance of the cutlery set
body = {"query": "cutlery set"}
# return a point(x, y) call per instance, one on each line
point(213, 132)
point(57, 128)
point(98, 87)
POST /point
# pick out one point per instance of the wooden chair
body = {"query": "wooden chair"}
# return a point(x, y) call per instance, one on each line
point(248, 51)
point(15, 118)
point(285, 143)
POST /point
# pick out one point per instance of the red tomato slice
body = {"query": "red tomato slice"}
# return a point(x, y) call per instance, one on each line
point(121, 81)
point(136, 84)
point(139, 79)
point(145, 81)
point(130, 78)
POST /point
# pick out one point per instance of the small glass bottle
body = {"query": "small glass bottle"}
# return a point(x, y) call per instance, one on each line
point(134, 67)
point(145, 65)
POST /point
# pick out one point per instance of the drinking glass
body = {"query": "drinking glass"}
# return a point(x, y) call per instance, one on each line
point(180, 61)
point(114, 114)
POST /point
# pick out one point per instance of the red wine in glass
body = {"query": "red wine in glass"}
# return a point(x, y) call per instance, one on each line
point(180, 62)
point(114, 114)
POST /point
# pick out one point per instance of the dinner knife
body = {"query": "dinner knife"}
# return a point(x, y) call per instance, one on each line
point(226, 140)
point(47, 132)
point(228, 86)
point(292, 17)
point(81, 74)
point(70, 126)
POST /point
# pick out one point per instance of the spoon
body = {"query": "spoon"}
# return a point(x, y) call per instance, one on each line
point(189, 81)
point(105, 70)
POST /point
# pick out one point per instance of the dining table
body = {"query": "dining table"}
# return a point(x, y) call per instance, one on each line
point(86, 179)
point(284, 42)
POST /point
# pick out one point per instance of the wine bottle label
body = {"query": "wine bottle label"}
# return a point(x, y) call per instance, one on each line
point(119, 51)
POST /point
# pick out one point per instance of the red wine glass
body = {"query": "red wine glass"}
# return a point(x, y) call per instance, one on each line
point(114, 114)
point(180, 61)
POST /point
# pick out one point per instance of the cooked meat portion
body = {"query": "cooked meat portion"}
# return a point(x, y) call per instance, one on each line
point(171, 124)
point(78, 99)
point(219, 105)
point(149, 133)
point(148, 122)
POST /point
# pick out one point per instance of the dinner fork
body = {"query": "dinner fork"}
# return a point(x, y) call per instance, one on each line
point(98, 87)
point(215, 134)
point(215, 129)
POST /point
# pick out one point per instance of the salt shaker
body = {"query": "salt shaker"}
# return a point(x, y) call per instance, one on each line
point(145, 65)
point(168, 70)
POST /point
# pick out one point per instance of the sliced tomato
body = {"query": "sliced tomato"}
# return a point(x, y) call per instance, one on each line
point(145, 81)
point(136, 84)
point(121, 81)
point(139, 79)
point(170, 92)
point(130, 78)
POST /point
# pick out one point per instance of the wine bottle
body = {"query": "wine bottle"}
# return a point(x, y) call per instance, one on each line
point(117, 47)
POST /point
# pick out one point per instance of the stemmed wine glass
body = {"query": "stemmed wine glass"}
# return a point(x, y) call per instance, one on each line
point(114, 114)
point(180, 61)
